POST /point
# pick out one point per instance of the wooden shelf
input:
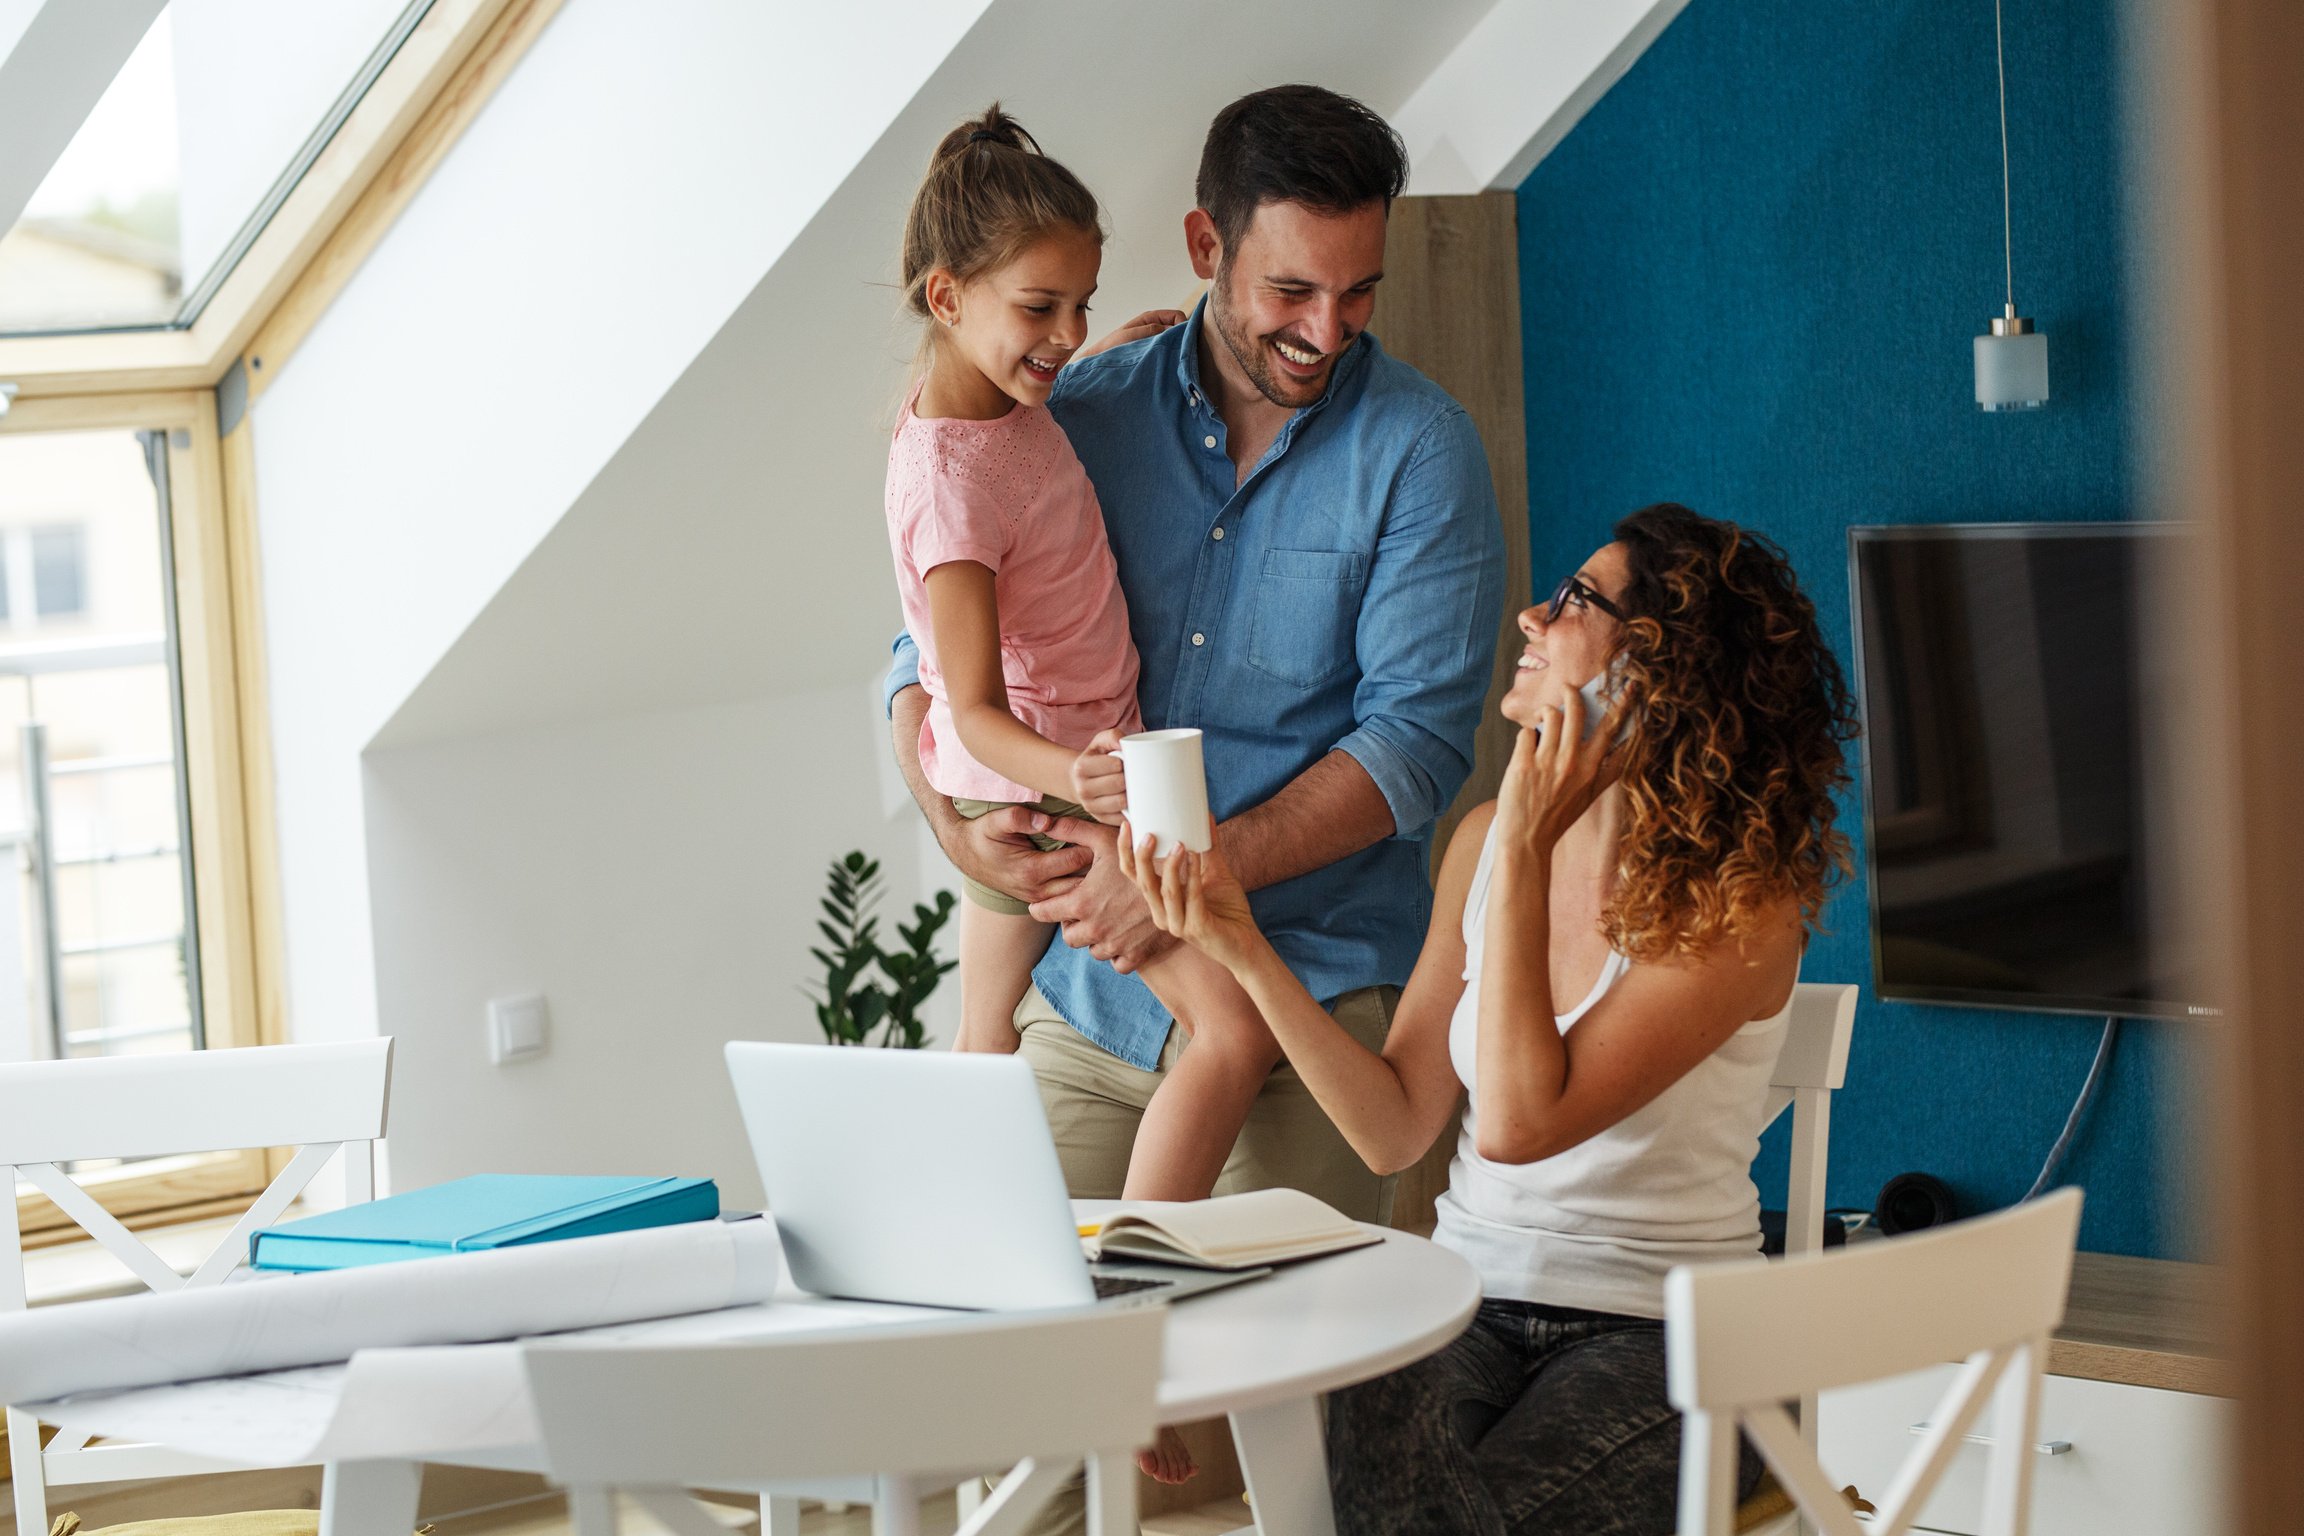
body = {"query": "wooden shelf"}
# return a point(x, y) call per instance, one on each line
point(2143, 1323)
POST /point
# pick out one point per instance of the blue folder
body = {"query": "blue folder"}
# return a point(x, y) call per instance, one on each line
point(489, 1210)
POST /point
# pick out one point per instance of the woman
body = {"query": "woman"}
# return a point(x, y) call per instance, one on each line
point(1607, 976)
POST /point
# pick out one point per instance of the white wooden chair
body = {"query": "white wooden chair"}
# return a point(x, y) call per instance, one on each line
point(910, 1407)
point(1812, 1065)
point(1743, 1338)
point(315, 1098)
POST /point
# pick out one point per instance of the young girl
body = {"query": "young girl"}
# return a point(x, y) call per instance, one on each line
point(1010, 592)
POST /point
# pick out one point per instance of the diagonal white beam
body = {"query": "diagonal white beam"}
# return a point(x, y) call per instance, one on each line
point(1524, 76)
point(56, 58)
point(15, 16)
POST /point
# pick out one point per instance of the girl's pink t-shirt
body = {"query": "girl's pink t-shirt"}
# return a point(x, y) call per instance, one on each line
point(1010, 495)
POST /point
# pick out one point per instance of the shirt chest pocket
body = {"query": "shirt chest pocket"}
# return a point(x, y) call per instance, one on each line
point(1307, 609)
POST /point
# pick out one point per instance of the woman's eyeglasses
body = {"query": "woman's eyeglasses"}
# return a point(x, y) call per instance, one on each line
point(1573, 590)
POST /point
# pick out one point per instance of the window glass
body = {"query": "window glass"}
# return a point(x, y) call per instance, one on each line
point(207, 124)
point(59, 580)
point(94, 899)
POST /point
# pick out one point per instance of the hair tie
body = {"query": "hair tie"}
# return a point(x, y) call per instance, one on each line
point(983, 133)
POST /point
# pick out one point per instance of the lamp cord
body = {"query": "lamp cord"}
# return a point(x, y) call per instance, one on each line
point(2007, 218)
point(2080, 1105)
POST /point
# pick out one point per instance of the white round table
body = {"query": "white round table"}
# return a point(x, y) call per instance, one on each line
point(1260, 1353)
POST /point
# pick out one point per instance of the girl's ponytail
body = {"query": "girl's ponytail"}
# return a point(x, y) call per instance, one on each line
point(995, 128)
point(989, 193)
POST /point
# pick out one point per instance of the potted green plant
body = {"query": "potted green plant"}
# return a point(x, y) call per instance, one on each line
point(866, 987)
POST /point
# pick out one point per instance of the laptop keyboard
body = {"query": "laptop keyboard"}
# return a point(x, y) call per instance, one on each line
point(1108, 1286)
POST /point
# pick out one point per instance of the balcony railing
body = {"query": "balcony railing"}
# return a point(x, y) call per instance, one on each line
point(33, 1000)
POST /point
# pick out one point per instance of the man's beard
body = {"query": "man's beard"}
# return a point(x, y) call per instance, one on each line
point(1255, 361)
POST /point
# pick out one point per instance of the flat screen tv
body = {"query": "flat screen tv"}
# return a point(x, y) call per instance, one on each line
point(2008, 841)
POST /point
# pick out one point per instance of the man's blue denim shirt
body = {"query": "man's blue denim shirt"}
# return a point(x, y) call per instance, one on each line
point(1345, 596)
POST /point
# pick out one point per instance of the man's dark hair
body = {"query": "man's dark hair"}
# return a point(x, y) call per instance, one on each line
point(1296, 144)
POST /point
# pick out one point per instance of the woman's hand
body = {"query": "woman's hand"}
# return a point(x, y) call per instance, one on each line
point(1099, 781)
point(1556, 773)
point(1150, 323)
point(1194, 896)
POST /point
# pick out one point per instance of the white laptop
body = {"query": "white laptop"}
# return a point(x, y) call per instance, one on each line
point(926, 1177)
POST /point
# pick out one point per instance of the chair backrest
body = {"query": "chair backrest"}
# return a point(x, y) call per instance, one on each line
point(315, 1098)
point(968, 1392)
point(1742, 1338)
point(312, 1097)
point(1812, 1063)
point(1815, 1053)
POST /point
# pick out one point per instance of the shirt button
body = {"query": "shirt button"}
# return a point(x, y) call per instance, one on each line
point(1218, 534)
point(1208, 441)
point(1199, 638)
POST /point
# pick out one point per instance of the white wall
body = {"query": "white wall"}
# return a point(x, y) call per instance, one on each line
point(656, 924)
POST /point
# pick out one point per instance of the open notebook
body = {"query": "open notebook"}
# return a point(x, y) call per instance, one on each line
point(1264, 1226)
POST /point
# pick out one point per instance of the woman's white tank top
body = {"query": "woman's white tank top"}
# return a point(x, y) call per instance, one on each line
point(1598, 1225)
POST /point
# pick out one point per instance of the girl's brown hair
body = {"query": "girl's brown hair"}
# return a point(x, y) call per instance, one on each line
point(989, 193)
point(1736, 755)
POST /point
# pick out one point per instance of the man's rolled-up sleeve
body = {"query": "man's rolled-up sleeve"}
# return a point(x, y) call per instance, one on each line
point(903, 670)
point(1427, 631)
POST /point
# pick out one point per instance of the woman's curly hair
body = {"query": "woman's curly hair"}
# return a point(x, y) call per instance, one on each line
point(1731, 768)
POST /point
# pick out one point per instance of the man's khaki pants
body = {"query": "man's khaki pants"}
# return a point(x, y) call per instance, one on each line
point(1094, 1101)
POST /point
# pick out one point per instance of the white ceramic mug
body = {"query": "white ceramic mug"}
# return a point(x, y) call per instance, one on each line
point(1167, 789)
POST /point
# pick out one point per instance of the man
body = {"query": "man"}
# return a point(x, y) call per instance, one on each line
point(1307, 538)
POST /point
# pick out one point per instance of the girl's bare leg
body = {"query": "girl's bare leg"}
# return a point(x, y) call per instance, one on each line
point(1188, 1129)
point(997, 953)
point(1196, 1114)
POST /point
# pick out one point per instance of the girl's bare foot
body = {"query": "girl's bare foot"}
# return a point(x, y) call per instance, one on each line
point(1167, 1460)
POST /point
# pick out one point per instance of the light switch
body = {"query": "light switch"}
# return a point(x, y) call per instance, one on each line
point(518, 1028)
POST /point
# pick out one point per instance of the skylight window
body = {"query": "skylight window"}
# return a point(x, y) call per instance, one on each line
point(206, 127)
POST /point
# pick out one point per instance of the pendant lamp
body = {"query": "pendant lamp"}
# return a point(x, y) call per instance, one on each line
point(2011, 357)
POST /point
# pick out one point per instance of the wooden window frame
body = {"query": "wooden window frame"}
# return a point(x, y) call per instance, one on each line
point(169, 380)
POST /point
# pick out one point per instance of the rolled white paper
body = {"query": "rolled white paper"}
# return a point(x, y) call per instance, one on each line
point(1167, 789)
point(269, 1322)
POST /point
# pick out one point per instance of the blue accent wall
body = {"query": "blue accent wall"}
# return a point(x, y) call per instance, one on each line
point(1748, 283)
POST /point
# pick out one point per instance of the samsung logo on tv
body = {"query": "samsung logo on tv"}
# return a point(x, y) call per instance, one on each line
point(2194, 1011)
